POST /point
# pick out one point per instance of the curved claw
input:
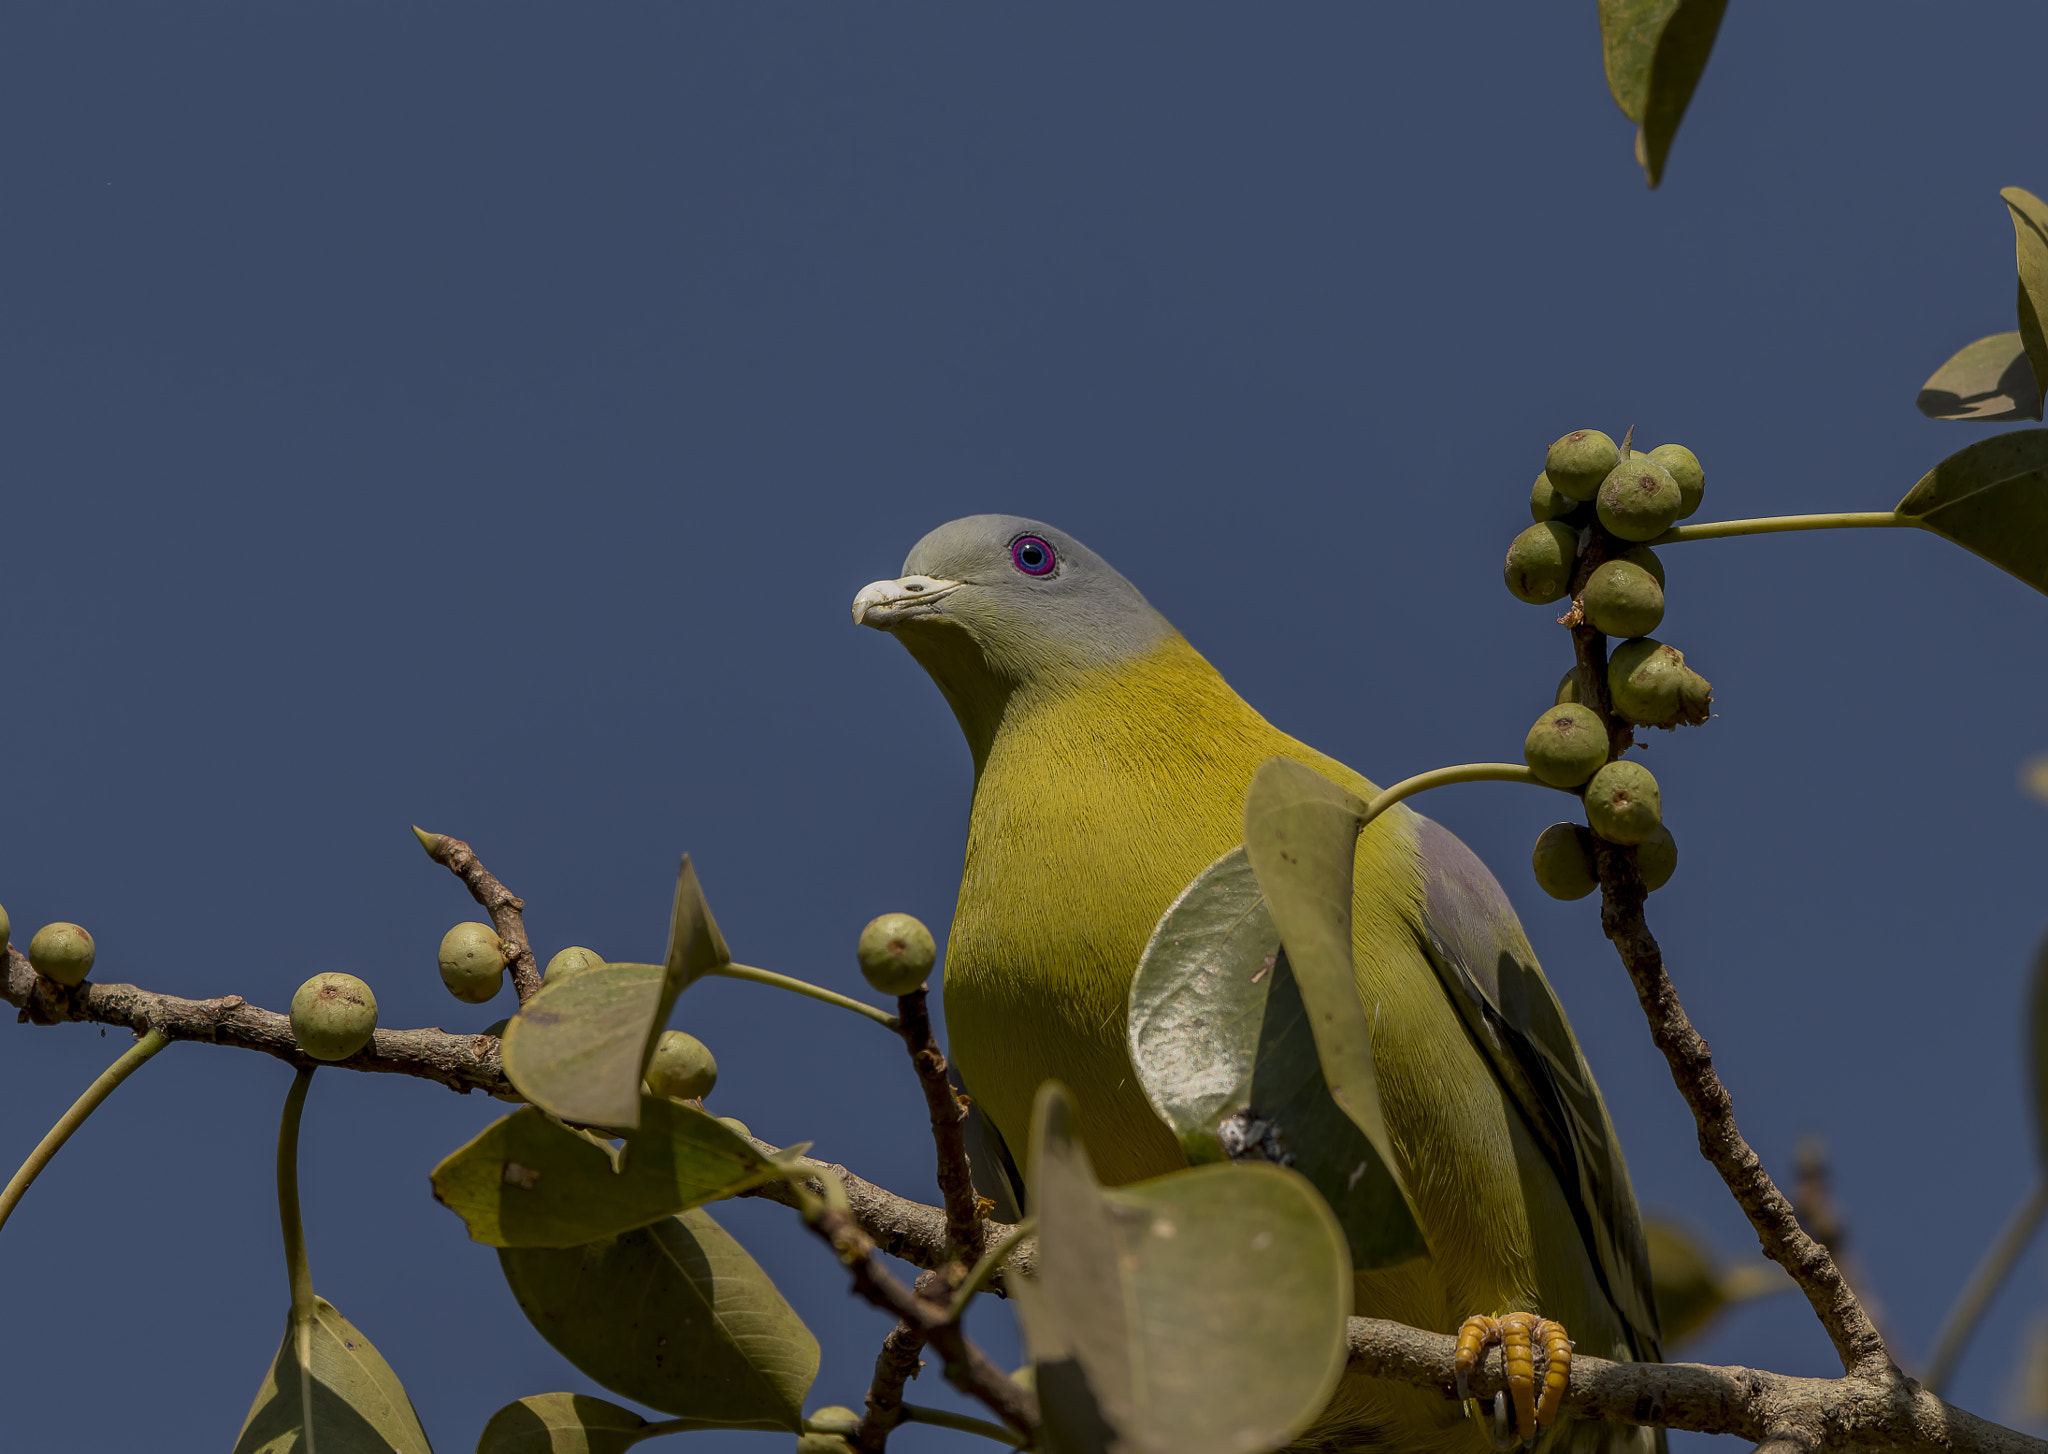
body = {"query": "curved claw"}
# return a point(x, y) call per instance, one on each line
point(1527, 1342)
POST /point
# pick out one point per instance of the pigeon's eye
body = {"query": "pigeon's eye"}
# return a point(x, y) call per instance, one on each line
point(1032, 556)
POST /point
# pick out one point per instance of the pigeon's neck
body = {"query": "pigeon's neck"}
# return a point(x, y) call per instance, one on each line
point(1165, 710)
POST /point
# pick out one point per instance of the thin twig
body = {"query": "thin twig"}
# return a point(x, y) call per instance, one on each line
point(895, 1365)
point(505, 907)
point(1975, 1298)
point(460, 1062)
point(967, 1367)
point(1777, 1228)
point(1791, 1414)
point(948, 1117)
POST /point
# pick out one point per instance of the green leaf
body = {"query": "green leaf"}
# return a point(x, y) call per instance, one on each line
point(527, 1182)
point(2030, 242)
point(1655, 51)
point(359, 1406)
point(1301, 836)
point(562, 1423)
point(675, 1316)
point(1222, 1045)
point(1992, 500)
point(579, 1047)
point(1198, 1313)
point(1988, 382)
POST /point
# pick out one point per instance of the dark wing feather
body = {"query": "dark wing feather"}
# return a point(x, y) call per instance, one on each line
point(1490, 973)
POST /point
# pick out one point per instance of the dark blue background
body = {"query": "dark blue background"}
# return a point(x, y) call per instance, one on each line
point(482, 416)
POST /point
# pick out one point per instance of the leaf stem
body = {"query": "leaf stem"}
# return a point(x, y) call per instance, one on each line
point(1772, 524)
point(941, 1419)
point(295, 1243)
point(986, 1268)
point(151, 1042)
point(1971, 1303)
point(801, 987)
point(1469, 772)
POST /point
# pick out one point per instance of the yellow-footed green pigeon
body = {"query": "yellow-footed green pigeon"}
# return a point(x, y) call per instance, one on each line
point(1111, 763)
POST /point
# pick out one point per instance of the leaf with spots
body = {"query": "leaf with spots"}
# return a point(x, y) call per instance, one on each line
point(359, 1406)
point(528, 1181)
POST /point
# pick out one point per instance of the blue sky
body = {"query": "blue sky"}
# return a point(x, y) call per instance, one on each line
point(482, 416)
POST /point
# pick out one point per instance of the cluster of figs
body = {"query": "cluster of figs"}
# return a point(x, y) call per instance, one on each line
point(1598, 504)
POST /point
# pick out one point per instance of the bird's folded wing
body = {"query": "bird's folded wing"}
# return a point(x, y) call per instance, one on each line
point(1489, 970)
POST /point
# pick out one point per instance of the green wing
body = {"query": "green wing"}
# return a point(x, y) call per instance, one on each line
point(1488, 969)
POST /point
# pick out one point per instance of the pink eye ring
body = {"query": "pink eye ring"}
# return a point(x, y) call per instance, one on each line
point(1033, 555)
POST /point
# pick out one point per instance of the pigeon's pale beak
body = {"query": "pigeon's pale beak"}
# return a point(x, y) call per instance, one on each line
point(888, 604)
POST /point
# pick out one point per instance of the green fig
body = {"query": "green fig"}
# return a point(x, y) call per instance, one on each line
point(832, 1419)
point(1622, 803)
point(1539, 563)
point(1563, 861)
point(896, 953)
point(1547, 502)
point(6, 931)
point(61, 953)
point(1566, 746)
point(333, 1016)
point(573, 960)
point(1645, 557)
point(1657, 858)
point(1651, 686)
point(1622, 599)
point(1683, 466)
point(1567, 688)
point(823, 1444)
point(1577, 463)
point(473, 962)
point(681, 1068)
point(1639, 500)
point(736, 1126)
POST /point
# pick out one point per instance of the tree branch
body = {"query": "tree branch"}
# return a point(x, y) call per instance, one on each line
point(505, 907)
point(1802, 1414)
point(895, 1365)
point(948, 1115)
point(1784, 1241)
point(460, 1062)
point(967, 1367)
point(901, 1227)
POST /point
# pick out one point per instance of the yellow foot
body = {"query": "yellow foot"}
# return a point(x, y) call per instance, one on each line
point(1521, 1336)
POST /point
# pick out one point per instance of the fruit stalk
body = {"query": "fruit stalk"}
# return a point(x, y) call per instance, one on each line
point(1772, 524)
point(801, 987)
point(300, 1271)
point(151, 1042)
point(1468, 772)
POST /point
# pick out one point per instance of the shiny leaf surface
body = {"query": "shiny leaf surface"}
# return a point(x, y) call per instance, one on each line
point(579, 1047)
point(675, 1316)
point(1221, 1042)
point(1198, 1313)
point(561, 1423)
point(1988, 382)
point(1991, 499)
point(527, 1182)
point(2030, 244)
point(359, 1406)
